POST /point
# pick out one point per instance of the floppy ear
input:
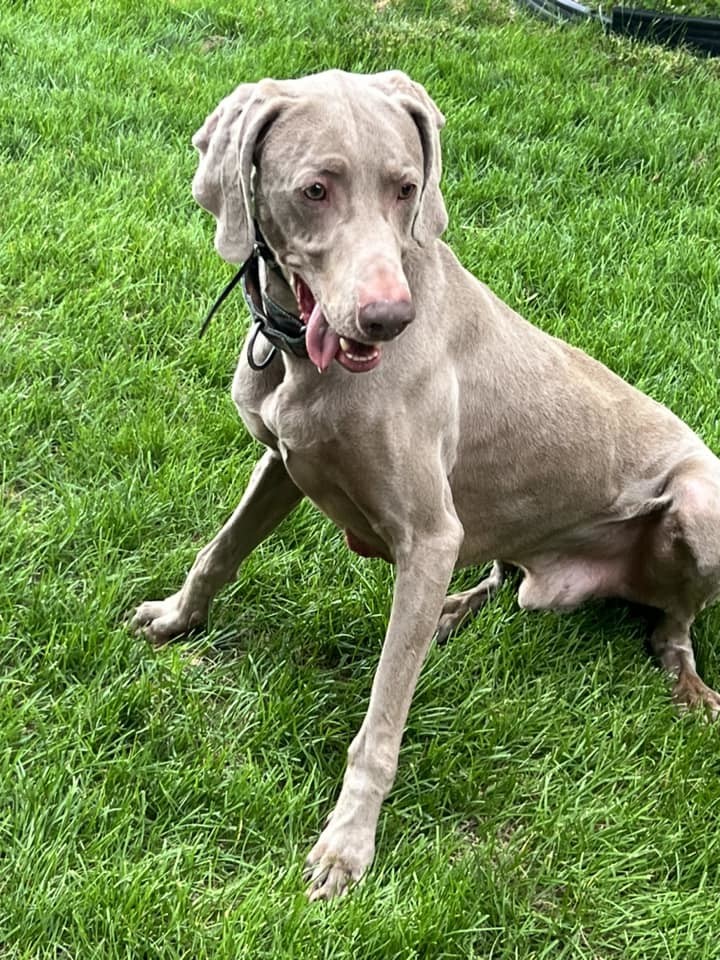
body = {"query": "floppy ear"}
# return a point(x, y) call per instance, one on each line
point(431, 217)
point(222, 183)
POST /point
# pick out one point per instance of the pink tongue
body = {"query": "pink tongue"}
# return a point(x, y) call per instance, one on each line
point(322, 342)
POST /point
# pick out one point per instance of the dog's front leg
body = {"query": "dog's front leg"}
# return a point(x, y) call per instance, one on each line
point(268, 499)
point(347, 844)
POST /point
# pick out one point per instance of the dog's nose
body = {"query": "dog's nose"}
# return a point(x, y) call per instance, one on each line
point(385, 319)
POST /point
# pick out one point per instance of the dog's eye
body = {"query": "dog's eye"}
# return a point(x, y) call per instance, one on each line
point(316, 191)
point(406, 191)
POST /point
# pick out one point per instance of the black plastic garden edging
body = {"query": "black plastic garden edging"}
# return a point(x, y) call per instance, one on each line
point(701, 33)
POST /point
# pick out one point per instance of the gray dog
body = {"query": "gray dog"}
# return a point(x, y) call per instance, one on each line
point(429, 421)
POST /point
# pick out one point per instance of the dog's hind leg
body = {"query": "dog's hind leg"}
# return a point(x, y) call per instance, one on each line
point(685, 567)
point(268, 499)
point(672, 646)
point(460, 607)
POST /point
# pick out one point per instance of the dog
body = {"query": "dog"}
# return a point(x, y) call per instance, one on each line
point(422, 415)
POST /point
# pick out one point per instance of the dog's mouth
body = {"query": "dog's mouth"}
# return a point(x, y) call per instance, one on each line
point(325, 345)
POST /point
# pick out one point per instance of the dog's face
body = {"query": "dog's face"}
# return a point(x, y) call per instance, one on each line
point(338, 206)
point(343, 172)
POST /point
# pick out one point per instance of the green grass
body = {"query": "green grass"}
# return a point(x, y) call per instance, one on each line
point(159, 804)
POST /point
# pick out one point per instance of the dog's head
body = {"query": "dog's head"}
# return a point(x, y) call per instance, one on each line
point(341, 172)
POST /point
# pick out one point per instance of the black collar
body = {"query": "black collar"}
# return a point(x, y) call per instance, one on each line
point(282, 329)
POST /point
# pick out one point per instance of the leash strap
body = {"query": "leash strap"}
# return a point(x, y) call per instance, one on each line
point(283, 330)
point(228, 289)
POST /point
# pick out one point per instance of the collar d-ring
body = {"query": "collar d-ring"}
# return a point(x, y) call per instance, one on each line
point(252, 362)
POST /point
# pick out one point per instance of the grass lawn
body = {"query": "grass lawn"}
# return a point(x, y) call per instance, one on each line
point(549, 802)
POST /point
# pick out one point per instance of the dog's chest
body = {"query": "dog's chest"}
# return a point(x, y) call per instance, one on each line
point(277, 412)
point(321, 453)
point(299, 423)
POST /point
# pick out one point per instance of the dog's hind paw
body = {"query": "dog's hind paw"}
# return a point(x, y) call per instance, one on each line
point(163, 620)
point(459, 607)
point(690, 693)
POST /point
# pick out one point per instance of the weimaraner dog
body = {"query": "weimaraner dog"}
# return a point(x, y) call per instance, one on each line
point(431, 423)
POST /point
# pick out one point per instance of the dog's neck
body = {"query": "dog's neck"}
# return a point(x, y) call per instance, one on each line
point(274, 284)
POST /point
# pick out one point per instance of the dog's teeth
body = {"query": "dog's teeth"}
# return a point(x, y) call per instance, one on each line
point(364, 359)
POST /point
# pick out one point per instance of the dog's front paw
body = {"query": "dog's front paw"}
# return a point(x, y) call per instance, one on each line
point(340, 857)
point(162, 620)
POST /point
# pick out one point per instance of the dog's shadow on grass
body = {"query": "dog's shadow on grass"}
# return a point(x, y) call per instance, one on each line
point(336, 626)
